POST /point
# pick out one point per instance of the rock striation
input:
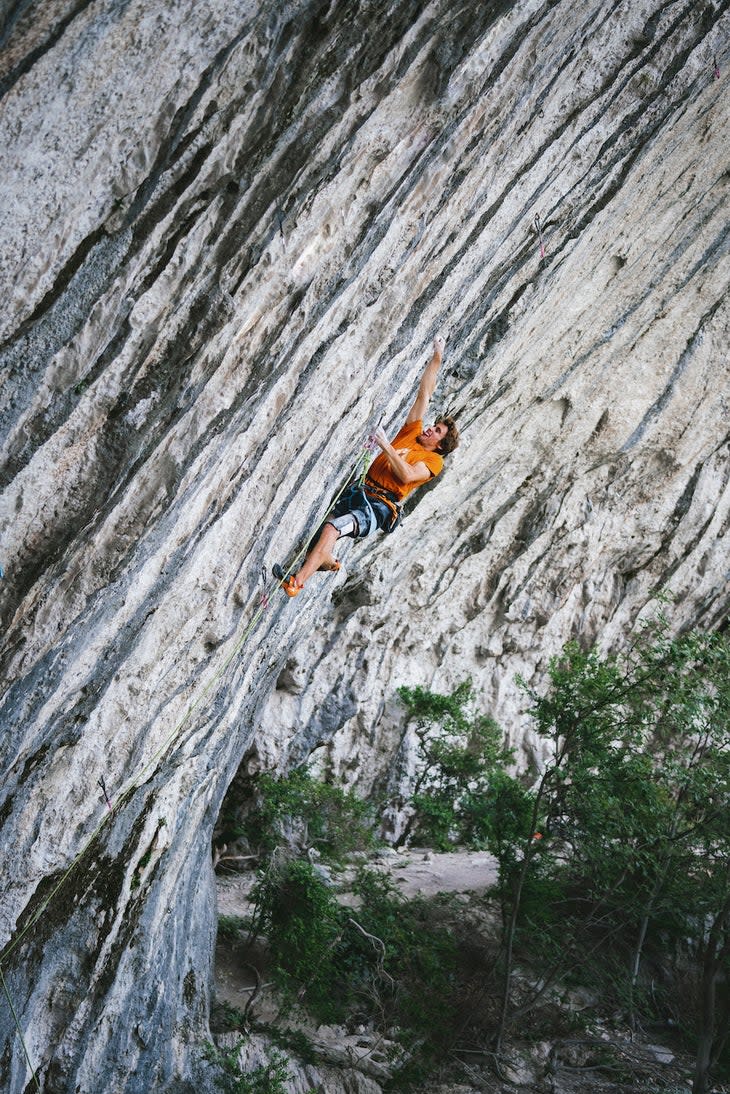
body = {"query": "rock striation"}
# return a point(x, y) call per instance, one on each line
point(231, 231)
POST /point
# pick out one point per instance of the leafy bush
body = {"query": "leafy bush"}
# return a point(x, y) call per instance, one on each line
point(266, 1079)
point(459, 753)
point(392, 962)
point(298, 914)
point(298, 810)
point(231, 927)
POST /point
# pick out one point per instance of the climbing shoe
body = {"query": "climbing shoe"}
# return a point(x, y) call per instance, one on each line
point(288, 584)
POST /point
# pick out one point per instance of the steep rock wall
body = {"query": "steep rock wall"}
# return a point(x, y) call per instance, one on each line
point(231, 232)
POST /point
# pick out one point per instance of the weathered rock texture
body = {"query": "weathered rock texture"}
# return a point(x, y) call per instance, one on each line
point(230, 231)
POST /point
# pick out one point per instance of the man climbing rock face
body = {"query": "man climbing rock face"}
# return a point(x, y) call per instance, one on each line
point(414, 456)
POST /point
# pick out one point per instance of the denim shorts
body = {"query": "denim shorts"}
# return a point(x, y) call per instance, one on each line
point(357, 515)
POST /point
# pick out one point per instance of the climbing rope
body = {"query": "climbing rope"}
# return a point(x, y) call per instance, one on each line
point(19, 1029)
point(358, 473)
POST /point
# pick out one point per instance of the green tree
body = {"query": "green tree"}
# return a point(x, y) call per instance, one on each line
point(297, 811)
point(459, 751)
point(633, 807)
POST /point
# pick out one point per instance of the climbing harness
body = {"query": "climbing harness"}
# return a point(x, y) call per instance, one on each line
point(386, 498)
point(358, 474)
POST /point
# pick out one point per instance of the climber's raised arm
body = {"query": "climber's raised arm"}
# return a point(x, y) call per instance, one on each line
point(427, 385)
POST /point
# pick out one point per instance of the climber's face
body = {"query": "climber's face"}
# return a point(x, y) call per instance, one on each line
point(432, 437)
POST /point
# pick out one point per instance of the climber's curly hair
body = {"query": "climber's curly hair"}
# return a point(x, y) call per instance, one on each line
point(451, 440)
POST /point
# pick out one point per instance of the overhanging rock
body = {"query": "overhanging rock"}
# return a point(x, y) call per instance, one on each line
point(231, 231)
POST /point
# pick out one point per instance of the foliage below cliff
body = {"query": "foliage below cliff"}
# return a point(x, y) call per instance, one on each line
point(614, 872)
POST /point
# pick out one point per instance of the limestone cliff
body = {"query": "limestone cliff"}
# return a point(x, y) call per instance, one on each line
point(230, 231)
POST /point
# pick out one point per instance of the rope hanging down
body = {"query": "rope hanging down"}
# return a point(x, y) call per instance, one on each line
point(113, 804)
point(19, 1029)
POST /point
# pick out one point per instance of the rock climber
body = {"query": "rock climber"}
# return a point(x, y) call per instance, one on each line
point(414, 456)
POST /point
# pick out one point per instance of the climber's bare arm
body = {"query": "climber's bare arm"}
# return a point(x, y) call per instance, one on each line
point(427, 386)
point(403, 471)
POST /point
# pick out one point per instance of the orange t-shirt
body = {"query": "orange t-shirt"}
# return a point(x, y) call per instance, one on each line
point(412, 452)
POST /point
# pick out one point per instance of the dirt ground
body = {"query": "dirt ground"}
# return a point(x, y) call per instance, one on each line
point(414, 872)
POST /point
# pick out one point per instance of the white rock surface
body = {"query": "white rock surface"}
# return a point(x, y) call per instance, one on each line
point(230, 232)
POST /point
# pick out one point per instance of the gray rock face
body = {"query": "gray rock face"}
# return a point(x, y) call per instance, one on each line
point(230, 232)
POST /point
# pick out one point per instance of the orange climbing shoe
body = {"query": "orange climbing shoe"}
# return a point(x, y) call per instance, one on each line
point(288, 584)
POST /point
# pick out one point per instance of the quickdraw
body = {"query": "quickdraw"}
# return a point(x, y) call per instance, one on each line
point(538, 229)
point(102, 784)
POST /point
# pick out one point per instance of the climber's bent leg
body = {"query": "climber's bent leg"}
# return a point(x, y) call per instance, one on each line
point(320, 554)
